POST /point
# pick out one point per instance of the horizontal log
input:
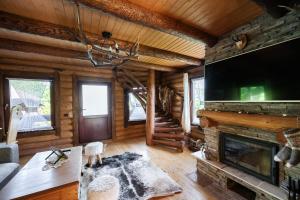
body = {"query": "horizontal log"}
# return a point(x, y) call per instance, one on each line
point(169, 143)
point(42, 33)
point(41, 138)
point(36, 150)
point(275, 124)
point(41, 49)
point(178, 137)
point(127, 137)
point(43, 58)
point(168, 129)
point(46, 143)
point(137, 14)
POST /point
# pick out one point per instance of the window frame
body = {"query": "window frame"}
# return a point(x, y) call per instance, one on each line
point(54, 95)
point(191, 97)
point(128, 122)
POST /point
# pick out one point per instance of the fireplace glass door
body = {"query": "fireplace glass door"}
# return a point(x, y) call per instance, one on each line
point(252, 156)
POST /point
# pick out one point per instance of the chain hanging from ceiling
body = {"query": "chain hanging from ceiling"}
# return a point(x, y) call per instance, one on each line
point(105, 52)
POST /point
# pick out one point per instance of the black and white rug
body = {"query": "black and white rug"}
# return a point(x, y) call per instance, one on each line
point(139, 179)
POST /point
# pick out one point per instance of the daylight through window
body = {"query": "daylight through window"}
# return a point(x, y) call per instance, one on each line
point(35, 97)
point(197, 85)
point(136, 111)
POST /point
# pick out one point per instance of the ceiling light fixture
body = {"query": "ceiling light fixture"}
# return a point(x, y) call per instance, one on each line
point(105, 52)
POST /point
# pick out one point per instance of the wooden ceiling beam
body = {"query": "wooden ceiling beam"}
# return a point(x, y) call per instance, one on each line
point(33, 54)
point(38, 29)
point(140, 15)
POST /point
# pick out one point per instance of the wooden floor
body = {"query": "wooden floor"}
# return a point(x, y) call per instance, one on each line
point(180, 166)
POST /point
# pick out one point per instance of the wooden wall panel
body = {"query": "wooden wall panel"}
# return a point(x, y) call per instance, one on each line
point(64, 138)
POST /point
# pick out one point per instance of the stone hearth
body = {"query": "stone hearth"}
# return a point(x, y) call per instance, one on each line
point(221, 174)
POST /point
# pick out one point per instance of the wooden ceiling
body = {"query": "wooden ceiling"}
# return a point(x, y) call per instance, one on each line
point(215, 17)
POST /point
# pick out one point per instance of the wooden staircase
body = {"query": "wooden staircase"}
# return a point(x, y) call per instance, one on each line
point(167, 132)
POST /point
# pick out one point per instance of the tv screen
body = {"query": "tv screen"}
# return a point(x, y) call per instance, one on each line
point(268, 74)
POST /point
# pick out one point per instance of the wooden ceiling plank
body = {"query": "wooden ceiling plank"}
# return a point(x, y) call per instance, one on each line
point(110, 24)
point(54, 31)
point(191, 10)
point(125, 29)
point(184, 9)
point(99, 24)
point(239, 14)
point(90, 21)
point(134, 35)
point(137, 14)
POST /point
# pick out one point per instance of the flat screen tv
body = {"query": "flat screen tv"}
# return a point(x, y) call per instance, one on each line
point(270, 74)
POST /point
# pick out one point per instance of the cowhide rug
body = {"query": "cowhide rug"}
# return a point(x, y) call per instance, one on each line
point(139, 179)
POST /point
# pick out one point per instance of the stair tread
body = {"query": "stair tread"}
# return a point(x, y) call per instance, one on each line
point(167, 125)
point(168, 142)
point(167, 129)
point(168, 136)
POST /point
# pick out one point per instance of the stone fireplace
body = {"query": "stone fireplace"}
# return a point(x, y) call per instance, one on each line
point(263, 31)
point(250, 155)
point(243, 156)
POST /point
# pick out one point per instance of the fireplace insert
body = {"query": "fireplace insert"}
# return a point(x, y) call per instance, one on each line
point(250, 155)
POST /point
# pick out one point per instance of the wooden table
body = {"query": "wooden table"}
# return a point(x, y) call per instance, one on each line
point(56, 184)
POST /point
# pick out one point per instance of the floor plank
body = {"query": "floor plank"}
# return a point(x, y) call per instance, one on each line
point(180, 166)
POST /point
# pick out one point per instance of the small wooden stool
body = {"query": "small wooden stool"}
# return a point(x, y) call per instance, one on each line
point(104, 188)
point(94, 149)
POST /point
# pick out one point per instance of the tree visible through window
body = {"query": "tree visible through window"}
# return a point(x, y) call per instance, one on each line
point(136, 111)
point(35, 96)
point(197, 86)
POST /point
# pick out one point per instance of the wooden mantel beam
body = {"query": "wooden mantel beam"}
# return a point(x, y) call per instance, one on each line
point(140, 15)
point(37, 28)
point(275, 124)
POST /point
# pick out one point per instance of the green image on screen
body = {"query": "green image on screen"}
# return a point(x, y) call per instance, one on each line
point(255, 93)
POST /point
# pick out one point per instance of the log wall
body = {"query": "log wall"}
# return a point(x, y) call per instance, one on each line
point(65, 138)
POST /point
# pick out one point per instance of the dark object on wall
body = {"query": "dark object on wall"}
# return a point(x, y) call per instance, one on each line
point(276, 8)
point(264, 75)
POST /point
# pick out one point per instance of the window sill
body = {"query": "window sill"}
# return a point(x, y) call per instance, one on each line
point(36, 133)
point(136, 122)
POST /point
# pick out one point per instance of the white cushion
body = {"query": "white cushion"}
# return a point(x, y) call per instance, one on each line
point(104, 188)
point(93, 148)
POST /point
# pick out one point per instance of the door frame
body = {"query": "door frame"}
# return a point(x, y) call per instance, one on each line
point(76, 103)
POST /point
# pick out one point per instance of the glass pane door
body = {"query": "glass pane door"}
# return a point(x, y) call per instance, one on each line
point(94, 100)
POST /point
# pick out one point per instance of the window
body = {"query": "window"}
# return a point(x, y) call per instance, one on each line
point(135, 111)
point(35, 97)
point(197, 93)
point(94, 100)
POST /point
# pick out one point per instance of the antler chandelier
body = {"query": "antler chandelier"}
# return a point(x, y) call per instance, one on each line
point(105, 51)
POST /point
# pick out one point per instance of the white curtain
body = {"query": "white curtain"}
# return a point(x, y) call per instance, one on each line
point(186, 115)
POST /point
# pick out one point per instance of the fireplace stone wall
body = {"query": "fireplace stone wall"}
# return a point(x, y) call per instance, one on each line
point(261, 32)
